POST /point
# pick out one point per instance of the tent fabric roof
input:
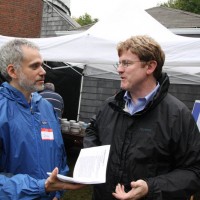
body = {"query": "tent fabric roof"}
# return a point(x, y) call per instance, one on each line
point(95, 49)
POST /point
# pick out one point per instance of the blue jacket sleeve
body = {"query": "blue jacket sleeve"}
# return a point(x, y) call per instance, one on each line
point(21, 186)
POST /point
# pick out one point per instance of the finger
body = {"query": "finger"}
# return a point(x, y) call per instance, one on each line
point(54, 173)
point(134, 184)
point(119, 192)
point(120, 188)
point(117, 188)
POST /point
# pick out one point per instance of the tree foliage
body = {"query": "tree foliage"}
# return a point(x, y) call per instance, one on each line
point(186, 5)
point(86, 19)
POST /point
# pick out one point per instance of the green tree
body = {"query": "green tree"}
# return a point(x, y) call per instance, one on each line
point(186, 5)
point(85, 19)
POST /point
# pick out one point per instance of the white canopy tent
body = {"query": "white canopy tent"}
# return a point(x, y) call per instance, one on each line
point(182, 53)
point(95, 49)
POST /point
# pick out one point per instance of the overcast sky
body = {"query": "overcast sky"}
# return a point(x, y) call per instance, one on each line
point(97, 8)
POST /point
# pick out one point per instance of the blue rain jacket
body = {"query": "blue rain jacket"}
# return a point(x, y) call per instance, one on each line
point(31, 145)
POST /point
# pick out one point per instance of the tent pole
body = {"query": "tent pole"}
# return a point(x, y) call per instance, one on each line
point(79, 103)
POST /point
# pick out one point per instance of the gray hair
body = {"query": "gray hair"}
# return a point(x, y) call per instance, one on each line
point(49, 86)
point(11, 53)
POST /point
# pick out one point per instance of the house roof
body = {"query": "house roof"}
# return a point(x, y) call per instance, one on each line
point(174, 18)
point(178, 21)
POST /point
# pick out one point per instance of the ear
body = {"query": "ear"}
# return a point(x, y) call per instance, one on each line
point(151, 66)
point(11, 71)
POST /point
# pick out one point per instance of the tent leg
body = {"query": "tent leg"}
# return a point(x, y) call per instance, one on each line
point(79, 104)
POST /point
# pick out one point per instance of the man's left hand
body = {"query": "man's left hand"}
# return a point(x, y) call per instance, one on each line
point(139, 190)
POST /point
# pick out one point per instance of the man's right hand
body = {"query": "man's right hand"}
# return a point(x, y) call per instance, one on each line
point(54, 184)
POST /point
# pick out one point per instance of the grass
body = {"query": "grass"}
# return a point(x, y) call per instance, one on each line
point(82, 194)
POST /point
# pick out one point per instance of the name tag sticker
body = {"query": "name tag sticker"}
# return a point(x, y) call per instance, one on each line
point(47, 134)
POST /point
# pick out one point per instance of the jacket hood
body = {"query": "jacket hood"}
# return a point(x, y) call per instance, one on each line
point(8, 91)
point(163, 90)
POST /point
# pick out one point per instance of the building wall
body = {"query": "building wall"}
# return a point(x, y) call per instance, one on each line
point(34, 19)
point(20, 18)
point(186, 93)
point(55, 19)
point(95, 91)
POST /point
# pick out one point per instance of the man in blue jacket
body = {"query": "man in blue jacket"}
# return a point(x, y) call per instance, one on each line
point(30, 139)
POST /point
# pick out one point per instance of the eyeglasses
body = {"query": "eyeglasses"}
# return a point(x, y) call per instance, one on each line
point(126, 63)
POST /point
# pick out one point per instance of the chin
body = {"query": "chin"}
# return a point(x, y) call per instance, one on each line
point(123, 87)
point(39, 88)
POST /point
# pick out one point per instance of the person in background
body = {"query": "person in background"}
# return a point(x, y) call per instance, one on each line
point(54, 98)
point(30, 139)
point(155, 142)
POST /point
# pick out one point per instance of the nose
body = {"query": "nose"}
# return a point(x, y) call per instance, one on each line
point(120, 69)
point(42, 71)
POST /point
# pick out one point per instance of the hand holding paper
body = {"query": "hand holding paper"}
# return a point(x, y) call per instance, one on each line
point(90, 167)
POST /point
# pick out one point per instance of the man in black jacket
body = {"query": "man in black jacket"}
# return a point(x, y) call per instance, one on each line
point(155, 142)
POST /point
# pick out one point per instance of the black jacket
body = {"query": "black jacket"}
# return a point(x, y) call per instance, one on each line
point(160, 145)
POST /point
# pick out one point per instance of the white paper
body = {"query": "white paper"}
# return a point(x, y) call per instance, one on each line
point(198, 122)
point(90, 167)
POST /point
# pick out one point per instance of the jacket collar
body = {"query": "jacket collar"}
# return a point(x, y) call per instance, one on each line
point(15, 95)
point(161, 93)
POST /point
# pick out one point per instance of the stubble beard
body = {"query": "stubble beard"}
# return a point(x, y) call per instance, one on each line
point(28, 85)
